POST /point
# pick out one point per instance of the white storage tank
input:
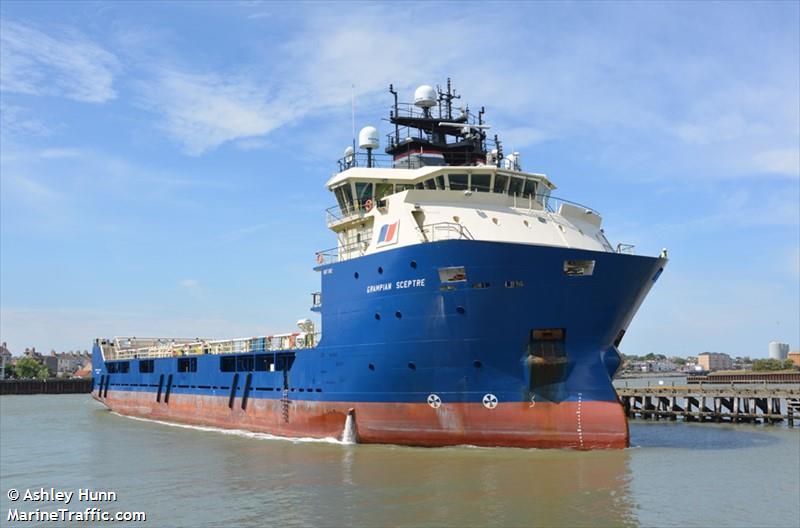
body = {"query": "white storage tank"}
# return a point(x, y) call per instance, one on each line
point(779, 351)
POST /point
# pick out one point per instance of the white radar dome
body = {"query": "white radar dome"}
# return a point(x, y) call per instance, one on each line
point(425, 96)
point(368, 138)
point(348, 152)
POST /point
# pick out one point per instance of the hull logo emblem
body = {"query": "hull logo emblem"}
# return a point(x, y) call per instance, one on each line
point(434, 401)
point(490, 401)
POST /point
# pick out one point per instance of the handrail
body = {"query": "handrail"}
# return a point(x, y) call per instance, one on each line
point(362, 159)
point(341, 253)
point(277, 342)
point(444, 231)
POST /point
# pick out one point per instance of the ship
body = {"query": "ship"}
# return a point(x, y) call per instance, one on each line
point(463, 304)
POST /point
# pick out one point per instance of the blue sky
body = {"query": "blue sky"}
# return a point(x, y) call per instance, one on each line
point(162, 164)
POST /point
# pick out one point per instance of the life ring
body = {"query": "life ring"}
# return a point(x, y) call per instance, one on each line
point(368, 205)
point(320, 258)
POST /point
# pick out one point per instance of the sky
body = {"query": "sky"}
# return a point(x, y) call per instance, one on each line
point(162, 165)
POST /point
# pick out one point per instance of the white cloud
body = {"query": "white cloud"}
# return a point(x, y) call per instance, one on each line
point(204, 111)
point(778, 161)
point(61, 153)
point(189, 284)
point(17, 121)
point(68, 65)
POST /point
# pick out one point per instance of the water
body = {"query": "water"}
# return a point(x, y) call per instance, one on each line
point(676, 475)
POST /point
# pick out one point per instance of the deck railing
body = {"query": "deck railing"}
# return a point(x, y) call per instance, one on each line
point(445, 231)
point(167, 347)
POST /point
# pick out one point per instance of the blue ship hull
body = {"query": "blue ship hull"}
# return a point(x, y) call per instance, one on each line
point(419, 361)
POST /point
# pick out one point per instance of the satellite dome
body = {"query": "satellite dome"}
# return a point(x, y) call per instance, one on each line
point(368, 138)
point(348, 152)
point(425, 96)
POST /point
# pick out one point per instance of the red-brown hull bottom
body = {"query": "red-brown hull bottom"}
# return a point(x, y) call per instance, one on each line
point(578, 425)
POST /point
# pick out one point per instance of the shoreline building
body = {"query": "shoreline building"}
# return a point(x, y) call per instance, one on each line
point(711, 361)
point(5, 357)
point(778, 350)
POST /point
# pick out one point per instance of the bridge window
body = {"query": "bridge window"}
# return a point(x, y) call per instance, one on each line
point(458, 182)
point(515, 186)
point(430, 184)
point(383, 190)
point(344, 198)
point(187, 364)
point(440, 182)
point(363, 193)
point(402, 187)
point(500, 183)
point(146, 366)
point(529, 189)
point(481, 182)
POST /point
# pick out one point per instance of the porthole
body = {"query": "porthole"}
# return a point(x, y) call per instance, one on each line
point(495, 220)
point(377, 316)
point(527, 224)
point(414, 264)
point(542, 220)
point(371, 366)
point(477, 364)
point(461, 310)
point(412, 366)
point(456, 219)
point(380, 269)
point(355, 275)
point(398, 315)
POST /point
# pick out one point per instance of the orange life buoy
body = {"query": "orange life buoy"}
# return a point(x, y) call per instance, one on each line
point(368, 205)
point(320, 258)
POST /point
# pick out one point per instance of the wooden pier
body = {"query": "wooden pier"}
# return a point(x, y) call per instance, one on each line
point(47, 386)
point(766, 405)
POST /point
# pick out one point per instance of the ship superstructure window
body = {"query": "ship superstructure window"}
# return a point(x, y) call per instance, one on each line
point(146, 366)
point(363, 193)
point(344, 197)
point(383, 190)
point(578, 268)
point(515, 186)
point(227, 364)
point(430, 184)
point(514, 284)
point(454, 274)
point(529, 189)
point(245, 363)
point(458, 182)
point(187, 364)
point(440, 183)
point(481, 182)
point(120, 367)
point(264, 363)
point(500, 183)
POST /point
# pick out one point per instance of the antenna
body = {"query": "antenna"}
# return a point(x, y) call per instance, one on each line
point(395, 114)
point(353, 112)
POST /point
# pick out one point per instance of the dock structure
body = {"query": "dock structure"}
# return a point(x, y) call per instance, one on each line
point(766, 405)
point(46, 386)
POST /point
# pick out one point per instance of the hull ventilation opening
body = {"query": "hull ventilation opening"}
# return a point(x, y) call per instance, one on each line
point(547, 364)
point(350, 434)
